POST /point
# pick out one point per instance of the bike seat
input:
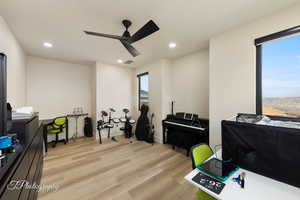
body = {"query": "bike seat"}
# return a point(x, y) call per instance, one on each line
point(108, 126)
point(104, 113)
point(123, 120)
point(116, 120)
point(125, 110)
point(132, 121)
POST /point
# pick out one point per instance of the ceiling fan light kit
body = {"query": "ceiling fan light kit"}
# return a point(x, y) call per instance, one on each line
point(126, 39)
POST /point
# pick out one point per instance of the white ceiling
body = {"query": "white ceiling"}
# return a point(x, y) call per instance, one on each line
point(190, 23)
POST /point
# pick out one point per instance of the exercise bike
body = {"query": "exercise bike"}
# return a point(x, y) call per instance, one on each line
point(109, 124)
point(112, 121)
point(101, 124)
point(128, 123)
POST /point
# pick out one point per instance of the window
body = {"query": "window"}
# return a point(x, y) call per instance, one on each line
point(143, 93)
point(278, 74)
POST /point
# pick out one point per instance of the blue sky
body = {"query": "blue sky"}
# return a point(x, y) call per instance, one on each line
point(145, 83)
point(281, 68)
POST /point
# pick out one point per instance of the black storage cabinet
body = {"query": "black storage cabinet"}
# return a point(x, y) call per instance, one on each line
point(267, 150)
point(27, 163)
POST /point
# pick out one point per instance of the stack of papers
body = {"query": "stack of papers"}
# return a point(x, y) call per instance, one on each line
point(23, 113)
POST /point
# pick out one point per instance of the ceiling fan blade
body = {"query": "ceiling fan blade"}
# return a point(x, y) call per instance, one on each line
point(106, 35)
point(146, 30)
point(130, 48)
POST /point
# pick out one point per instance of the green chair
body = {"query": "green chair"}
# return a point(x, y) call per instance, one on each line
point(201, 153)
point(58, 126)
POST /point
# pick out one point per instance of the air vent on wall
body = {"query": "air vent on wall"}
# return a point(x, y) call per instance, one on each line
point(128, 62)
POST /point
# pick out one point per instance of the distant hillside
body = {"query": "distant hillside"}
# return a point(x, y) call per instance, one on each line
point(144, 94)
point(289, 106)
point(293, 100)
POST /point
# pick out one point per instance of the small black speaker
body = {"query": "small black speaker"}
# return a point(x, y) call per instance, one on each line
point(9, 117)
point(88, 127)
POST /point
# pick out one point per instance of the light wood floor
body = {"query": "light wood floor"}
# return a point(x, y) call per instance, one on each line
point(116, 170)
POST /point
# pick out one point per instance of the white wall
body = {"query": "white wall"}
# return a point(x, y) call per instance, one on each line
point(55, 88)
point(184, 80)
point(190, 83)
point(159, 92)
point(94, 96)
point(113, 90)
point(232, 67)
point(16, 66)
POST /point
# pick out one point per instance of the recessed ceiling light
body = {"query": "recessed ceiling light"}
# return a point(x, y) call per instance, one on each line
point(48, 45)
point(120, 61)
point(172, 45)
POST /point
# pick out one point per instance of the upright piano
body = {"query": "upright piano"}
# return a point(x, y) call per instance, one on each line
point(185, 130)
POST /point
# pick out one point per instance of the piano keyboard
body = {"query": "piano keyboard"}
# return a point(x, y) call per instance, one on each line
point(183, 125)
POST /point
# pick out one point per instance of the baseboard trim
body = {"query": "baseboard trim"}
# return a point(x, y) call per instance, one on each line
point(104, 135)
point(158, 139)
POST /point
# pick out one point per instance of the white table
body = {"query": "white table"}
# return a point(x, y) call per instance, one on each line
point(76, 116)
point(257, 187)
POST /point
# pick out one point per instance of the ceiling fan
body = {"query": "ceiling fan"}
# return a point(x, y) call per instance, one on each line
point(126, 39)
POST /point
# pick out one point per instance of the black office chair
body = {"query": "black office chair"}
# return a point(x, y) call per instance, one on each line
point(58, 126)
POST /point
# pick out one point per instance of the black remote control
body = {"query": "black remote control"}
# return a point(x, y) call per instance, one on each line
point(209, 183)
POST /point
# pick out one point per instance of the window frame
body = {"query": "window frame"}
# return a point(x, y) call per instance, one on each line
point(139, 88)
point(259, 47)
